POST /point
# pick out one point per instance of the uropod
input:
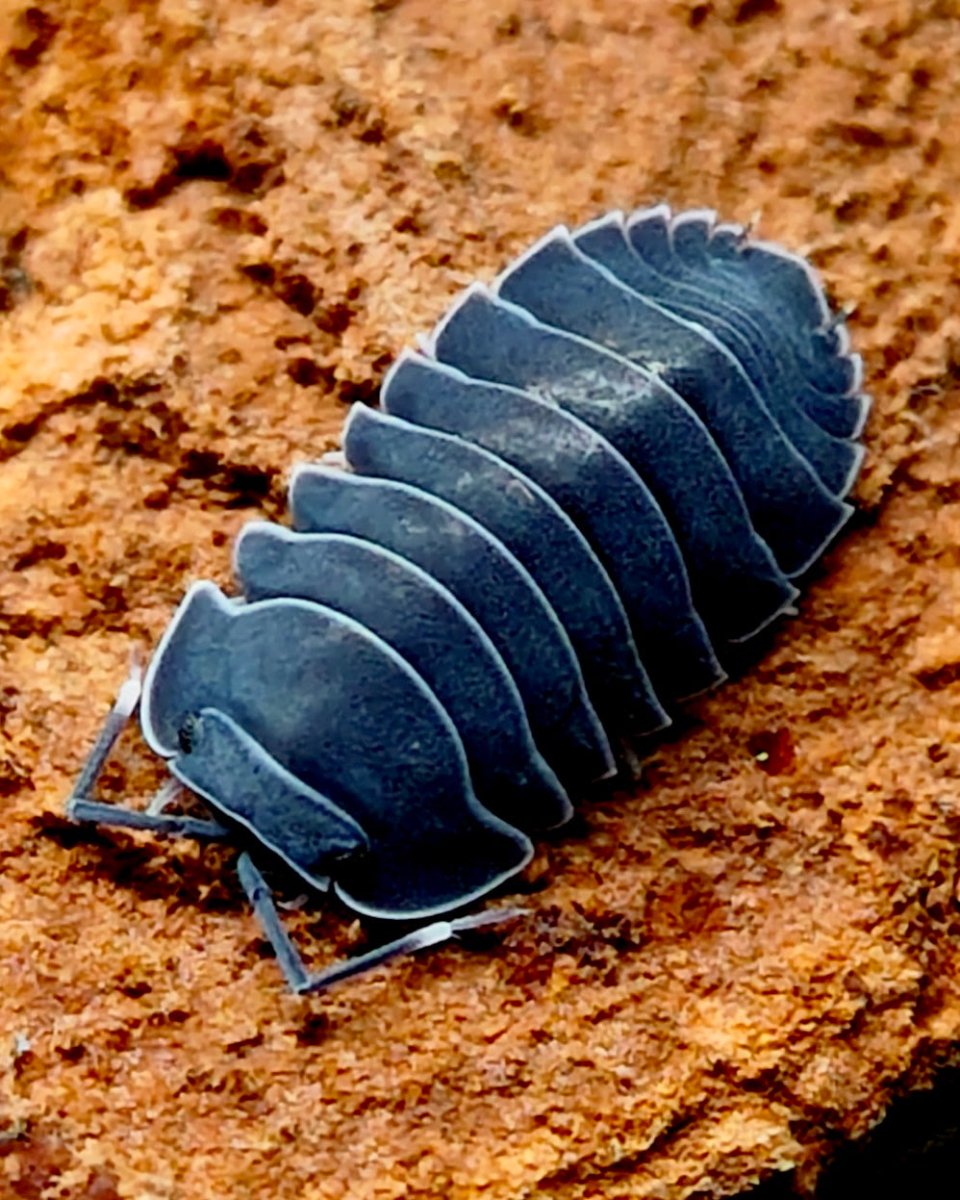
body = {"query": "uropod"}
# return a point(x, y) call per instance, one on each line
point(592, 482)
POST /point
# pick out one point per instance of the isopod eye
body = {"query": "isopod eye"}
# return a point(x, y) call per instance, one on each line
point(187, 733)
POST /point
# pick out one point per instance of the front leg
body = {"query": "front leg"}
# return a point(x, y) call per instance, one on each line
point(96, 813)
point(82, 804)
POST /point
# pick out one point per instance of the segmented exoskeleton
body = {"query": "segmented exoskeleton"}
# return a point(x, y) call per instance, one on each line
point(593, 480)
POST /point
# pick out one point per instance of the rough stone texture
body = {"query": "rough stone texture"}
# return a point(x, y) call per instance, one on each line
point(220, 220)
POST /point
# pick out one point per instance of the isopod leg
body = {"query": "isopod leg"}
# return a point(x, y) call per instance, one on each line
point(261, 900)
point(302, 982)
point(81, 806)
point(96, 813)
point(123, 709)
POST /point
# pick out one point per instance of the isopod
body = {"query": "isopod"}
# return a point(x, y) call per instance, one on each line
point(593, 480)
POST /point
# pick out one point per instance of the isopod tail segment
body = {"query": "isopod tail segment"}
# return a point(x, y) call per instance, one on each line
point(597, 480)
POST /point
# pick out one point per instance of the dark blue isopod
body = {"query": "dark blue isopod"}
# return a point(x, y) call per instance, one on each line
point(592, 482)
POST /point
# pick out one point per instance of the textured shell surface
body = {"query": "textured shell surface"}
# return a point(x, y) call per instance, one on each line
point(593, 482)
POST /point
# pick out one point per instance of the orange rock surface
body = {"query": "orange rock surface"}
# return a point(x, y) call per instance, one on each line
point(220, 219)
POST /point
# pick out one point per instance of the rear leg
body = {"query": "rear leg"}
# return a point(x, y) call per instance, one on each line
point(301, 981)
